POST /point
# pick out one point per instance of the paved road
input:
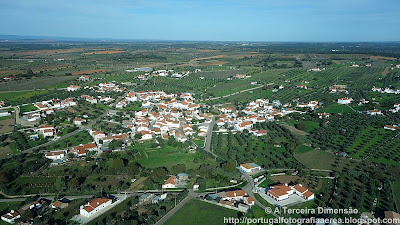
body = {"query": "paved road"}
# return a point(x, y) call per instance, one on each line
point(13, 200)
point(207, 142)
point(48, 197)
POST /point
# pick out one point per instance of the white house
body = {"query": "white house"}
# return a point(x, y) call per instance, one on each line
point(374, 112)
point(47, 130)
point(146, 135)
point(84, 78)
point(171, 182)
point(11, 216)
point(303, 192)
point(54, 155)
point(283, 191)
point(344, 100)
point(280, 192)
point(131, 97)
point(249, 167)
point(391, 127)
point(78, 121)
point(94, 206)
point(244, 125)
point(73, 88)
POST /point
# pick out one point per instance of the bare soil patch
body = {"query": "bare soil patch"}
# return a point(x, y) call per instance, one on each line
point(45, 52)
point(386, 71)
point(51, 68)
point(6, 125)
point(295, 131)
point(305, 181)
point(105, 52)
point(11, 72)
point(136, 185)
point(214, 63)
point(211, 57)
point(384, 58)
point(4, 151)
point(208, 50)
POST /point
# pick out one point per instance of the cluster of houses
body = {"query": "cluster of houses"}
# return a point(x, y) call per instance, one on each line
point(175, 115)
point(155, 199)
point(45, 108)
point(165, 73)
point(338, 88)
point(87, 210)
point(237, 199)
point(282, 192)
point(242, 76)
point(386, 90)
point(312, 105)
point(256, 111)
point(396, 108)
point(14, 215)
point(100, 88)
point(48, 106)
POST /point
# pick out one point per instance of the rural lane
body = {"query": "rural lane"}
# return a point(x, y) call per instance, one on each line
point(167, 216)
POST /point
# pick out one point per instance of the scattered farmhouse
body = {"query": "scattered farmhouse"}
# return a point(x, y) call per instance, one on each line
point(250, 168)
point(344, 101)
point(54, 155)
point(94, 206)
point(11, 217)
point(283, 191)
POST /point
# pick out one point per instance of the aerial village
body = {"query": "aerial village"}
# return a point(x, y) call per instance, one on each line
point(166, 115)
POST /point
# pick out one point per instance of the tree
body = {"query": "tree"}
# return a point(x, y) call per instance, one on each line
point(117, 164)
point(159, 174)
point(114, 144)
point(138, 136)
point(4, 177)
point(73, 183)
point(178, 168)
point(229, 166)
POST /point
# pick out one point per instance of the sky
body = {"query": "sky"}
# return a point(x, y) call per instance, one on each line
point(205, 20)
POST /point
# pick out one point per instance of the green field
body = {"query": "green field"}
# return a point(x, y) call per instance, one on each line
point(82, 137)
point(6, 117)
point(303, 149)
point(396, 192)
point(28, 108)
point(316, 159)
point(336, 108)
point(16, 96)
point(166, 156)
point(267, 182)
point(198, 212)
